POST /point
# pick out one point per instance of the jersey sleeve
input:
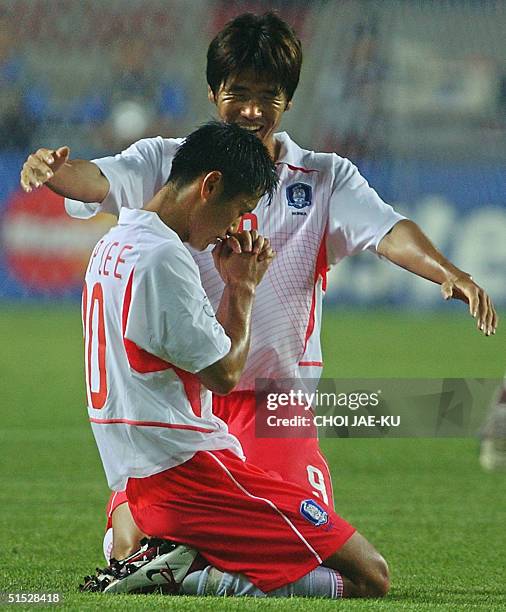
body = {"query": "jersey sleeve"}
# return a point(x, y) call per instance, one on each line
point(358, 217)
point(134, 176)
point(170, 314)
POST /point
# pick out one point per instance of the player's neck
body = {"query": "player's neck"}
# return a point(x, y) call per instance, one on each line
point(274, 147)
point(170, 206)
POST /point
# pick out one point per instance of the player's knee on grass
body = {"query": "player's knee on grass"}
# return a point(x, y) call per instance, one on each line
point(376, 580)
point(365, 572)
point(126, 536)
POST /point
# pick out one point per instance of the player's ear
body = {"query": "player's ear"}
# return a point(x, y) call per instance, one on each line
point(211, 186)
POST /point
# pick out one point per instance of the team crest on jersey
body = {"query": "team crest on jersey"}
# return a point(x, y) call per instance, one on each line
point(299, 195)
point(313, 512)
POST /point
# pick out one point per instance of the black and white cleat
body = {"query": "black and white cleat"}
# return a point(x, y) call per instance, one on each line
point(158, 566)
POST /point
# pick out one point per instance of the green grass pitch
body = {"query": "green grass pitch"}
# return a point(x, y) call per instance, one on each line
point(425, 504)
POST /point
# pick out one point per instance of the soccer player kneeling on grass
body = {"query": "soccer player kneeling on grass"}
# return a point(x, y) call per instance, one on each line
point(154, 351)
point(323, 211)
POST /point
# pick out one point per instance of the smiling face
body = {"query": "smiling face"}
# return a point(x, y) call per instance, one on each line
point(255, 105)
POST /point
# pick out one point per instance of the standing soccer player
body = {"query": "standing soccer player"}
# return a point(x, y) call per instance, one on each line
point(323, 210)
point(153, 348)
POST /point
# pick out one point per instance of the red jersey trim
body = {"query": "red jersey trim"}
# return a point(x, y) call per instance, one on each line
point(311, 363)
point(149, 424)
point(144, 363)
point(321, 269)
point(298, 168)
point(140, 360)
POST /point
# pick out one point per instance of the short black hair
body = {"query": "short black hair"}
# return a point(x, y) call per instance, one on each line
point(263, 43)
point(240, 156)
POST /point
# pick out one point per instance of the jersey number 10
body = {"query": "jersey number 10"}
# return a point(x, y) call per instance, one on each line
point(94, 346)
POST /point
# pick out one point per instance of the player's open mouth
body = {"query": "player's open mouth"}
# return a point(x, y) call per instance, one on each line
point(254, 129)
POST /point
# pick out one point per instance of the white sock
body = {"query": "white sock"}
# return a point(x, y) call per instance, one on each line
point(107, 545)
point(321, 582)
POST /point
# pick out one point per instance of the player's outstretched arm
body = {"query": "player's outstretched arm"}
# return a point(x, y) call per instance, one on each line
point(407, 246)
point(77, 179)
point(242, 269)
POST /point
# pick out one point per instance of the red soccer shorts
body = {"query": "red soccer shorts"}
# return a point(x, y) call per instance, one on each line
point(295, 460)
point(116, 499)
point(299, 461)
point(239, 518)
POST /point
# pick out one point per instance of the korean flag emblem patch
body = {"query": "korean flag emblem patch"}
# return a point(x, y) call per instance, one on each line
point(313, 512)
point(299, 195)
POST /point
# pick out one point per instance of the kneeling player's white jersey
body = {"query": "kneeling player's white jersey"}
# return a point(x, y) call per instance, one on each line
point(323, 211)
point(148, 328)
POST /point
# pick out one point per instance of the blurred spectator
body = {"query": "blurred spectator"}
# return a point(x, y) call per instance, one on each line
point(15, 125)
point(142, 102)
point(353, 126)
point(501, 99)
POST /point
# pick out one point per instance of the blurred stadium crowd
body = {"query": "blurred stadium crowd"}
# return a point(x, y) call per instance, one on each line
point(412, 91)
point(400, 77)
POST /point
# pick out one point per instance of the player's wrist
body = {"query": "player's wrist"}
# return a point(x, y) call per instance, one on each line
point(242, 286)
point(454, 275)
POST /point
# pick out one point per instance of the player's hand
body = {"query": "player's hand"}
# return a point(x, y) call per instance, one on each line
point(41, 166)
point(243, 257)
point(266, 250)
point(480, 305)
point(247, 241)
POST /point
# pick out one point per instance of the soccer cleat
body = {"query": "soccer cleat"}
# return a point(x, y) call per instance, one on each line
point(493, 439)
point(159, 565)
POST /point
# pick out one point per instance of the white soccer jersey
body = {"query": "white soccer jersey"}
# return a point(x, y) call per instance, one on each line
point(148, 327)
point(323, 211)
